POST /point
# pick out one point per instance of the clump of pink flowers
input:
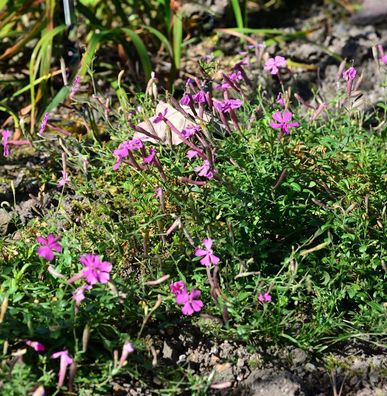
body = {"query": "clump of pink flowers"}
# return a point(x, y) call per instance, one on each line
point(48, 246)
point(190, 301)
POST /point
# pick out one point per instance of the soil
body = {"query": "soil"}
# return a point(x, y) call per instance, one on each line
point(350, 369)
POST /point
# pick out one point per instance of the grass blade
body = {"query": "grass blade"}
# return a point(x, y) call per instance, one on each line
point(237, 13)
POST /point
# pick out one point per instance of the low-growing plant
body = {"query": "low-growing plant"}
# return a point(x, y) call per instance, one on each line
point(263, 214)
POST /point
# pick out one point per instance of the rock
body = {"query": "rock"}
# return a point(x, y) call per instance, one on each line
point(5, 219)
point(373, 11)
point(223, 373)
point(298, 356)
point(167, 351)
point(268, 383)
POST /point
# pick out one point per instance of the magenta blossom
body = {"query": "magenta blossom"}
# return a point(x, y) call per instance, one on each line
point(235, 76)
point(79, 294)
point(205, 170)
point(160, 117)
point(43, 124)
point(177, 287)
point(38, 346)
point(192, 154)
point(223, 87)
point(151, 157)
point(264, 297)
point(95, 270)
point(273, 64)
point(123, 150)
point(159, 193)
point(65, 360)
point(227, 105)
point(64, 180)
point(185, 100)
point(384, 59)
point(75, 86)
point(200, 97)
point(190, 301)
point(126, 349)
point(283, 121)
point(5, 137)
point(350, 74)
point(190, 131)
point(280, 99)
point(49, 246)
point(209, 256)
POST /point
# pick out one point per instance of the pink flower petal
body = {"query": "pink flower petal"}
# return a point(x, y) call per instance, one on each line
point(197, 305)
point(207, 242)
point(187, 309)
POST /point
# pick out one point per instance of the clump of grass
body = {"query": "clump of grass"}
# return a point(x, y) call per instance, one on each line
point(272, 226)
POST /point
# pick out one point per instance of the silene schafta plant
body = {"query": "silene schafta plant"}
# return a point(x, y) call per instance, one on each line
point(207, 166)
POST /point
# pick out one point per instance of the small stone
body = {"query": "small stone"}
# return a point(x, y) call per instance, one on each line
point(298, 356)
point(214, 360)
point(5, 219)
point(167, 351)
point(310, 367)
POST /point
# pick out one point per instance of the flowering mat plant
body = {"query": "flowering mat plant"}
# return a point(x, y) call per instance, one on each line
point(240, 215)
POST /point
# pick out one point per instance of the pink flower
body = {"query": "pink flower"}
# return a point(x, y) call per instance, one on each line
point(264, 297)
point(96, 270)
point(280, 99)
point(209, 257)
point(189, 81)
point(350, 74)
point(227, 105)
point(43, 124)
point(160, 117)
point(177, 287)
point(205, 170)
point(190, 131)
point(38, 346)
point(235, 76)
point(79, 294)
point(384, 59)
point(192, 154)
point(200, 97)
point(49, 245)
point(273, 64)
point(75, 86)
point(190, 301)
point(64, 180)
point(159, 192)
point(6, 134)
point(185, 100)
point(283, 121)
point(151, 157)
point(65, 360)
point(126, 349)
point(223, 87)
point(123, 150)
